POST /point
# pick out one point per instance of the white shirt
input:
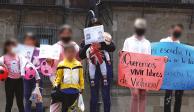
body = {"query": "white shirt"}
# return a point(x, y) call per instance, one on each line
point(169, 39)
point(132, 44)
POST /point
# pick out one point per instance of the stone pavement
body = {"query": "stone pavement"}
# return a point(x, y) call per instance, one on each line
point(120, 100)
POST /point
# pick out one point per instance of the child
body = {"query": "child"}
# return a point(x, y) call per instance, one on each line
point(29, 85)
point(93, 60)
point(14, 82)
point(69, 78)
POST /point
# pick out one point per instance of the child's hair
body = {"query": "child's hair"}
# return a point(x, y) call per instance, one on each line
point(32, 36)
point(9, 42)
point(69, 46)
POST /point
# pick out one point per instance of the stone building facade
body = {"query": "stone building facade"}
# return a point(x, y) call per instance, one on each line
point(45, 19)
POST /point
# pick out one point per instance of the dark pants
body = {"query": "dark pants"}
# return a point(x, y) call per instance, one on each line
point(168, 100)
point(14, 87)
point(68, 101)
point(105, 90)
point(29, 86)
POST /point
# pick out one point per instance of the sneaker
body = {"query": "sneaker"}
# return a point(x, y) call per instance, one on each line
point(92, 83)
point(105, 82)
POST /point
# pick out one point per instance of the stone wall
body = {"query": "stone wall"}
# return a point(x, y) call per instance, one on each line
point(159, 21)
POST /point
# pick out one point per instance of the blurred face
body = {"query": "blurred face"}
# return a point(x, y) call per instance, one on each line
point(29, 41)
point(70, 53)
point(177, 32)
point(10, 48)
point(65, 36)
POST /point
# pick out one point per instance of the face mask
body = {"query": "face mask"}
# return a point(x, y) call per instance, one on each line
point(140, 32)
point(177, 34)
point(66, 39)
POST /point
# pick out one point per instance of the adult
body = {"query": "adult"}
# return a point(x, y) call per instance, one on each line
point(65, 38)
point(176, 32)
point(137, 43)
point(98, 76)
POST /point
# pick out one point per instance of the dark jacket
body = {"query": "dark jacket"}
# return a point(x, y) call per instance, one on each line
point(83, 48)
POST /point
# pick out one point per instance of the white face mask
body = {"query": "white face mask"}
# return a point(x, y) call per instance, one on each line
point(15, 50)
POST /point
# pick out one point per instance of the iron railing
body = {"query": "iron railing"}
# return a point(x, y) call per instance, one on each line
point(33, 2)
point(56, 3)
point(154, 1)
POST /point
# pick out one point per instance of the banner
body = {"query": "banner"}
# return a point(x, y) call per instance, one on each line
point(179, 71)
point(94, 34)
point(141, 71)
point(49, 52)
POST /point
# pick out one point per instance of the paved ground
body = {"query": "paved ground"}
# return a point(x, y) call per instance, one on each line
point(120, 101)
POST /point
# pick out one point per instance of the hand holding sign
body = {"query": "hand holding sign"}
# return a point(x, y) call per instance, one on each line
point(141, 71)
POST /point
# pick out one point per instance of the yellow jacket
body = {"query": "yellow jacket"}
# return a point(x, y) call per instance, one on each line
point(70, 75)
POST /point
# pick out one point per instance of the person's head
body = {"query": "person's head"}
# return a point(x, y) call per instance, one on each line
point(30, 39)
point(70, 52)
point(177, 30)
point(9, 45)
point(140, 26)
point(65, 33)
point(94, 22)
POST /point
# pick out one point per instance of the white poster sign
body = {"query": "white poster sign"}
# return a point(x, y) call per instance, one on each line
point(24, 50)
point(49, 52)
point(94, 34)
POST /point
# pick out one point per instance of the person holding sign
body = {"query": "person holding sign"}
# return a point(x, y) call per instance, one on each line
point(138, 44)
point(108, 46)
point(175, 36)
point(30, 85)
point(16, 65)
point(65, 35)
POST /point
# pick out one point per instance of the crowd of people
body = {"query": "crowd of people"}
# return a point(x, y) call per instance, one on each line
point(67, 75)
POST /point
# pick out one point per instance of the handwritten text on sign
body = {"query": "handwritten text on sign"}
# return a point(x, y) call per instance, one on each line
point(141, 71)
point(179, 71)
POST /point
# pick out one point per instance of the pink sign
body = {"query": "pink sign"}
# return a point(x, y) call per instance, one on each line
point(141, 71)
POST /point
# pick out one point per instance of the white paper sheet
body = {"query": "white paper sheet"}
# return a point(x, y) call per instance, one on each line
point(49, 52)
point(26, 51)
point(94, 34)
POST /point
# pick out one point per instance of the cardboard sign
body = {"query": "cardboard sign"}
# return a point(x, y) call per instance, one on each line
point(26, 51)
point(141, 71)
point(179, 72)
point(94, 34)
point(49, 52)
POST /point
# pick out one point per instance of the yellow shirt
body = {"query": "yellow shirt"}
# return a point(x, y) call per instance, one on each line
point(70, 75)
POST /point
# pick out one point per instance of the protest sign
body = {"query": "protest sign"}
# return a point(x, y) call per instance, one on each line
point(49, 52)
point(24, 50)
point(94, 34)
point(179, 71)
point(141, 71)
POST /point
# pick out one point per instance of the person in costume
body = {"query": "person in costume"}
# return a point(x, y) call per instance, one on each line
point(94, 88)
